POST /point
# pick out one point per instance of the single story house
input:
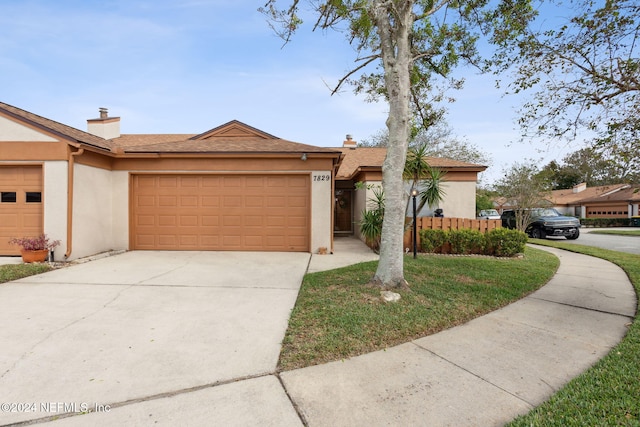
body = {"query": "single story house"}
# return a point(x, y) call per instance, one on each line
point(606, 201)
point(364, 164)
point(233, 187)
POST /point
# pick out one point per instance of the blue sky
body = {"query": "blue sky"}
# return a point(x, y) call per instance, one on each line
point(171, 66)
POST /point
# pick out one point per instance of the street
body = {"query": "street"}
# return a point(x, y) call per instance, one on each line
point(629, 244)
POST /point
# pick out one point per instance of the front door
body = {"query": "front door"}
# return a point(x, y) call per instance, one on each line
point(343, 213)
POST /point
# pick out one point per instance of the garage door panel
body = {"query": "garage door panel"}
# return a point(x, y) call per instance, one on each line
point(210, 220)
point(21, 205)
point(254, 202)
point(298, 182)
point(232, 241)
point(232, 201)
point(189, 241)
point(167, 201)
point(32, 221)
point(209, 241)
point(188, 201)
point(167, 240)
point(210, 201)
point(168, 182)
point(253, 221)
point(188, 220)
point(299, 221)
point(210, 181)
point(9, 220)
point(254, 182)
point(146, 201)
point(297, 202)
point(277, 181)
point(276, 201)
point(233, 212)
point(233, 182)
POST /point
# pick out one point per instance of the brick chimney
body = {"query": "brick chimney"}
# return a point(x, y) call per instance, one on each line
point(105, 127)
point(349, 142)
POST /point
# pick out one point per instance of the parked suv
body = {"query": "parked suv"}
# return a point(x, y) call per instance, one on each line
point(545, 222)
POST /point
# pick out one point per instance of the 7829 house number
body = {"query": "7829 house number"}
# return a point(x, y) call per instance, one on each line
point(322, 178)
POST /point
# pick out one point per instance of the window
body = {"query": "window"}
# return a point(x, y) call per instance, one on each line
point(33, 197)
point(8, 197)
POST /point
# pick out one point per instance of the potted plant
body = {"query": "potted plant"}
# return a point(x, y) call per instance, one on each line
point(34, 249)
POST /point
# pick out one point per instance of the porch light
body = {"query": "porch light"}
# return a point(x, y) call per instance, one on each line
point(303, 157)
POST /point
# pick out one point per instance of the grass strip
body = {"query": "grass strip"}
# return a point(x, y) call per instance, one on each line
point(11, 272)
point(608, 394)
point(337, 315)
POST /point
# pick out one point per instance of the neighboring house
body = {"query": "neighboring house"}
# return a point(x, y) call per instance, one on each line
point(233, 187)
point(364, 164)
point(607, 201)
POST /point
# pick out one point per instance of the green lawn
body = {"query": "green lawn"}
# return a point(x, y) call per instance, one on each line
point(338, 316)
point(11, 272)
point(617, 232)
point(608, 394)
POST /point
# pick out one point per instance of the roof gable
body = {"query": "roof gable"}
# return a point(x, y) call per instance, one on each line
point(233, 129)
point(13, 130)
point(55, 128)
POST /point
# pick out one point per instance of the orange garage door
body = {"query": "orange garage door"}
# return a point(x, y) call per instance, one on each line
point(221, 212)
point(20, 205)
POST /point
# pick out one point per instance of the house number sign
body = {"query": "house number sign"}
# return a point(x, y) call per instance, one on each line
point(322, 177)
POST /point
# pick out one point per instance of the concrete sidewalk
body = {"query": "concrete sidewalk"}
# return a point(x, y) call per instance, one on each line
point(483, 373)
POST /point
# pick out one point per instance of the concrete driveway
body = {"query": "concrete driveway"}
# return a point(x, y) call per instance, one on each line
point(141, 326)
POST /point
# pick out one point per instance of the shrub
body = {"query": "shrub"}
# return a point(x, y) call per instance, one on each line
point(432, 240)
point(505, 242)
point(605, 222)
point(466, 241)
point(371, 227)
point(39, 243)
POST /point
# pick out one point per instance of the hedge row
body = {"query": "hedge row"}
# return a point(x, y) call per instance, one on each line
point(605, 222)
point(500, 242)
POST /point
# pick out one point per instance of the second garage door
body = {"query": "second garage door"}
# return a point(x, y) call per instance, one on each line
point(20, 205)
point(221, 212)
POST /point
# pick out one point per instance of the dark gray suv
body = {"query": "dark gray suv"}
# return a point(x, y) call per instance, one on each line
point(545, 222)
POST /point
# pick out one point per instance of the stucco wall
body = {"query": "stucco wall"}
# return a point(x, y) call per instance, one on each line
point(92, 211)
point(321, 210)
point(120, 209)
point(12, 131)
point(54, 175)
point(459, 200)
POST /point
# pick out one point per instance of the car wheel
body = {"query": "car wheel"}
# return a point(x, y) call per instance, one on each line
point(537, 233)
point(574, 236)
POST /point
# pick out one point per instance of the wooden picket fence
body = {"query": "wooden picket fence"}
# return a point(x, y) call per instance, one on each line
point(427, 222)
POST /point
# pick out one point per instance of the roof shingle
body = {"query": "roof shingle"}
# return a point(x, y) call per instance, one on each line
point(373, 157)
point(57, 128)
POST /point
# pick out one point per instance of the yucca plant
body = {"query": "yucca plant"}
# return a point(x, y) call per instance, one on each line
point(372, 217)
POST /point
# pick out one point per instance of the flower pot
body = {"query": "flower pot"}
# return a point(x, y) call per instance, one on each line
point(34, 256)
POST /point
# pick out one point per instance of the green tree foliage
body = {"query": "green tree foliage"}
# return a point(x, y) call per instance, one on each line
point(582, 61)
point(406, 52)
point(439, 141)
point(524, 189)
point(591, 166)
point(484, 200)
point(424, 178)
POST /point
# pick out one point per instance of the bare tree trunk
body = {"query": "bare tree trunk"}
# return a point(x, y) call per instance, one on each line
point(394, 21)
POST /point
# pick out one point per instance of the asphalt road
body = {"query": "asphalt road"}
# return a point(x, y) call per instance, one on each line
point(630, 244)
